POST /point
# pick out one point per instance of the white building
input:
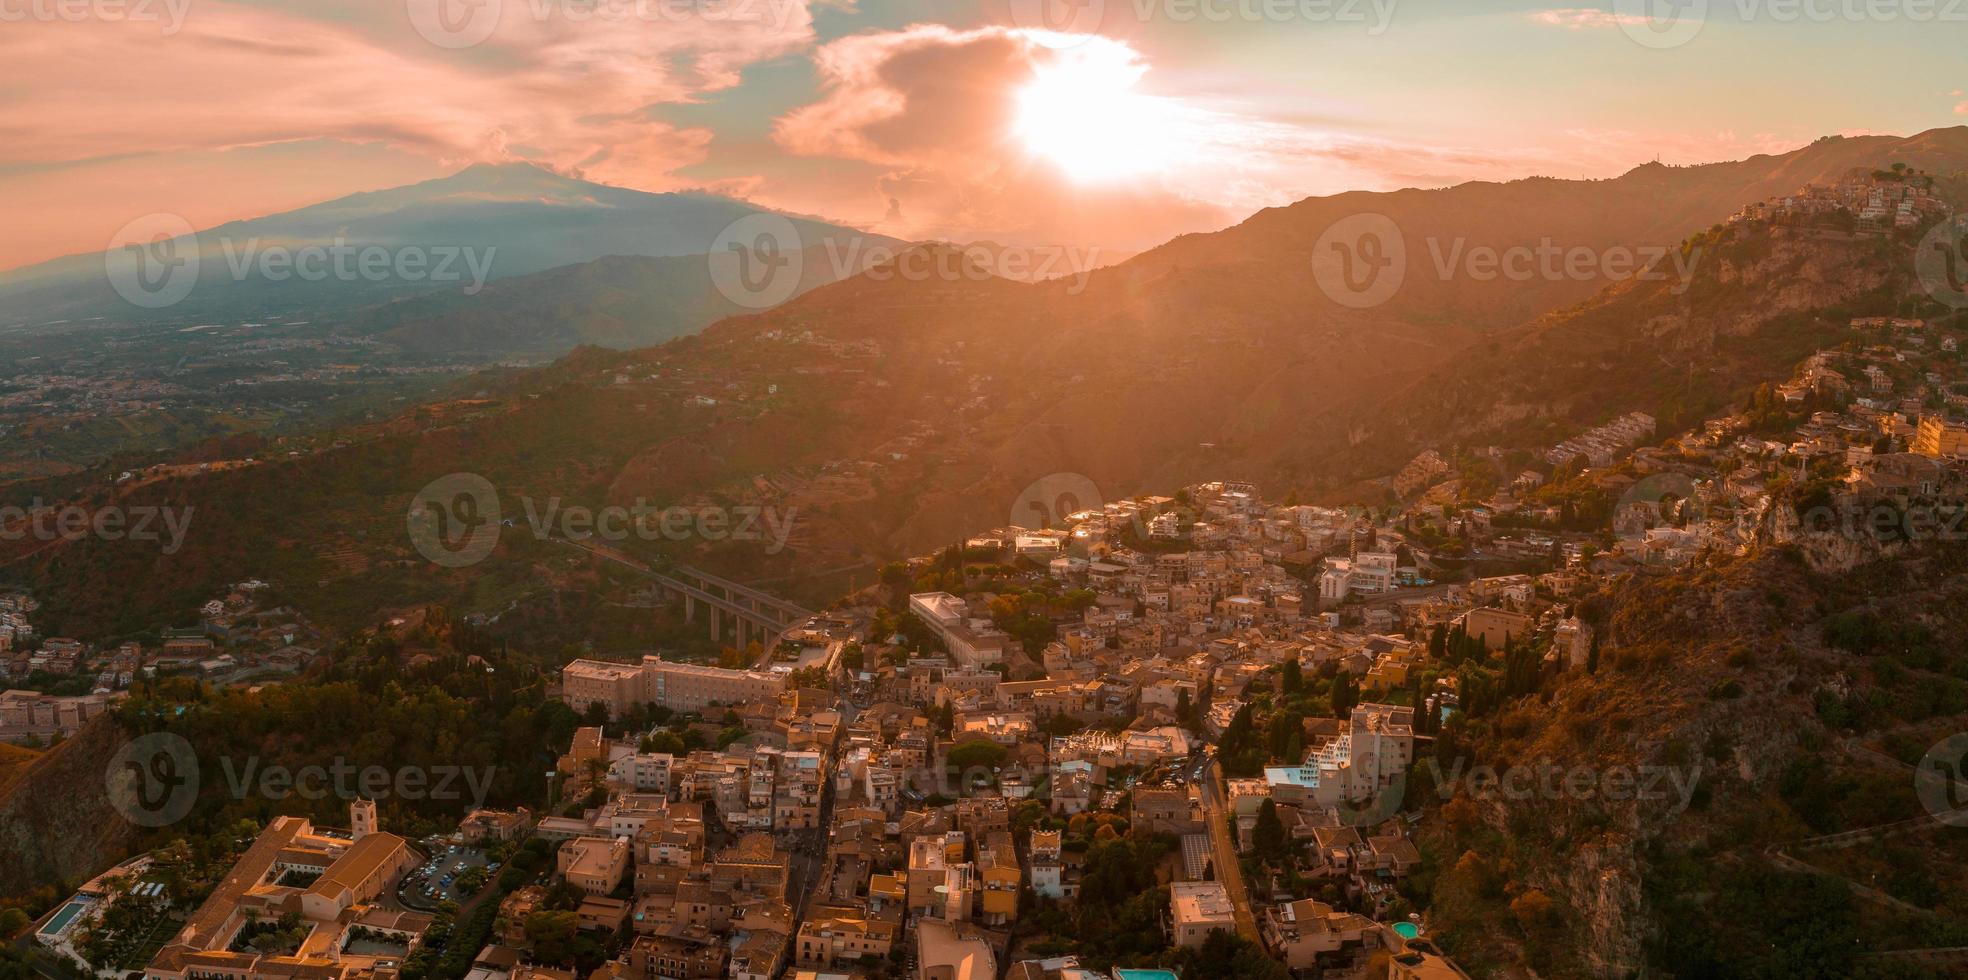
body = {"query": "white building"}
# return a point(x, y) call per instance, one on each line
point(972, 642)
point(1368, 572)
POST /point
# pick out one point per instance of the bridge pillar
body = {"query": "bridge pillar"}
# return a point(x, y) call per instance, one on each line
point(717, 628)
point(689, 609)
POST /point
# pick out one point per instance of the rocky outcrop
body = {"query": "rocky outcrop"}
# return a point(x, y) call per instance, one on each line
point(57, 826)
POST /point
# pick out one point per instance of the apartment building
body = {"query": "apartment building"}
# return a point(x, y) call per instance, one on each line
point(1196, 908)
point(1375, 748)
point(972, 642)
point(840, 936)
point(1939, 438)
point(1302, 931)
point(595, 865)
point(679, 686)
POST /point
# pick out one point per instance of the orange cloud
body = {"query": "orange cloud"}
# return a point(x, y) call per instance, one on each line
point(934, 112)
point(547, 83)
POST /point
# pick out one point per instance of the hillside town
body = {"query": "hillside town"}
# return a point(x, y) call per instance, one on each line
point(1868, 201)
point(1166, 727)
point(240, 638)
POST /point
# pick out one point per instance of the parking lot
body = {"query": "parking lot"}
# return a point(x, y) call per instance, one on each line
point(436, 880)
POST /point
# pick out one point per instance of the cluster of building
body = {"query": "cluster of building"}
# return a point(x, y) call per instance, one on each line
point(1898, 436)
point(331, 885)
point(900, 853)
point(1879, 200)
point(1606, 443)
point(235, 635)
point(33, 717)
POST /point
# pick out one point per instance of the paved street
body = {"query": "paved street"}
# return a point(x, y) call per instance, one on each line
point(1228, 871)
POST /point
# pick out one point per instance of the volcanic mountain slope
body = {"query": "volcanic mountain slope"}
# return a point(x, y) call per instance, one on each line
point(510, 219)
point(898, 409)
point(619, 301)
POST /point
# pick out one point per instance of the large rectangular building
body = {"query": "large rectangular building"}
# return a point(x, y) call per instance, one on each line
point(678, 686)
point(972, 642)
point(351, 876)
point(31, 714)
point(1940, 438)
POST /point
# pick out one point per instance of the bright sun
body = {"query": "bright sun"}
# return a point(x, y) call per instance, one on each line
point(1081, 113)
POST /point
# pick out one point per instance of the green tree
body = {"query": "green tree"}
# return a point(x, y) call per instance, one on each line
point(1269, 835)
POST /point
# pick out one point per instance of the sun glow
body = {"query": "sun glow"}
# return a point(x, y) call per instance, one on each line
point(1081, 112)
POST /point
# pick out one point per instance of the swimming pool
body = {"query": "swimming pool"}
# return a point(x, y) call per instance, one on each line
point(64, 918)
point(1406, 930)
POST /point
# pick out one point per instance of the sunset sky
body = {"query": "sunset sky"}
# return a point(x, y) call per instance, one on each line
point(960, 120)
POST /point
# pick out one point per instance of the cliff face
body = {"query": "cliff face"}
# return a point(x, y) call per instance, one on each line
point(1759, 702)
point(56, 823)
